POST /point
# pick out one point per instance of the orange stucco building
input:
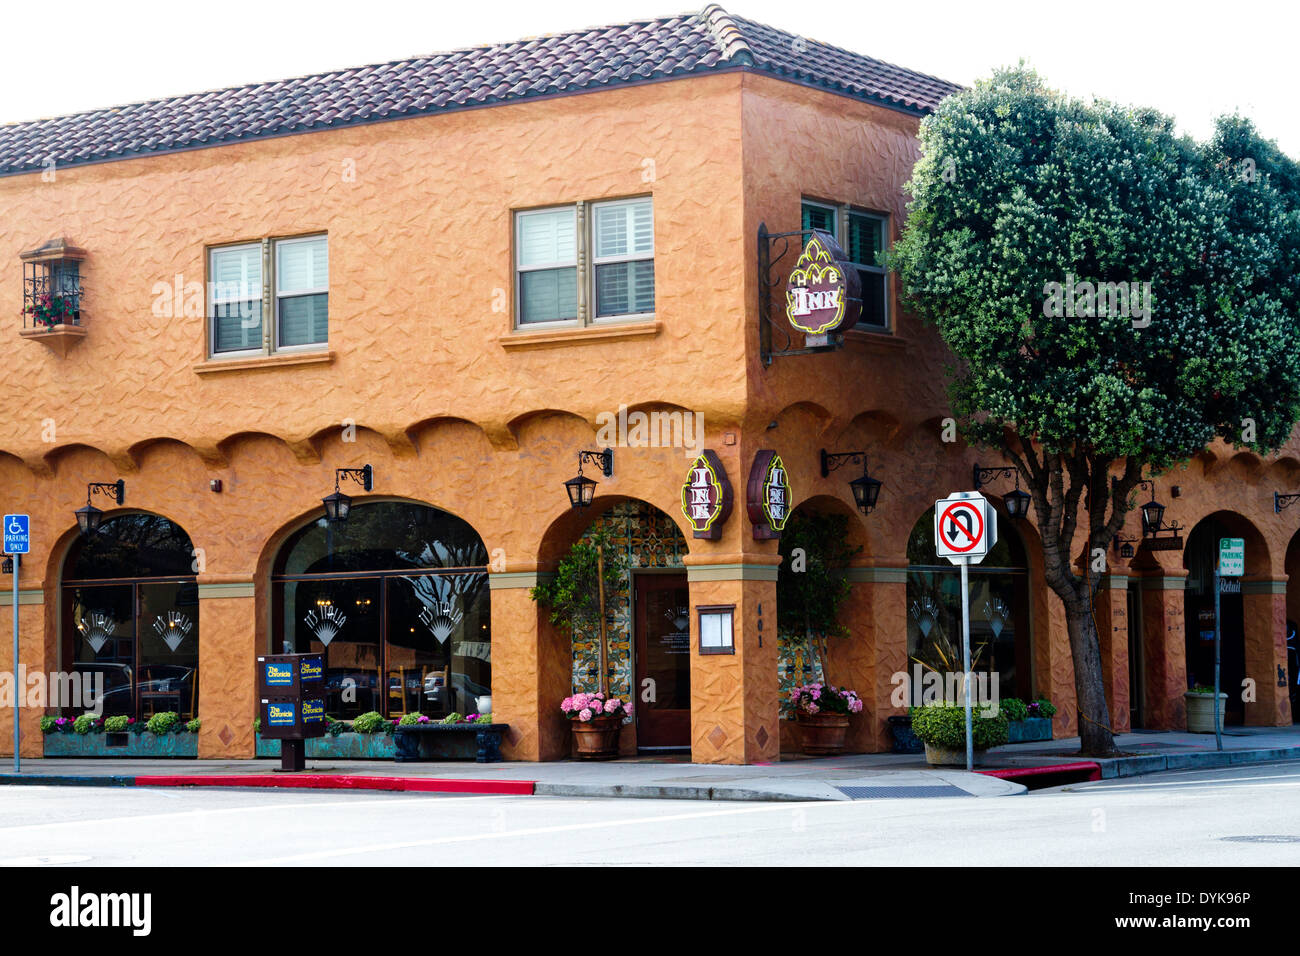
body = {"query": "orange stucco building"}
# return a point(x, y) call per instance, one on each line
point(456, 270)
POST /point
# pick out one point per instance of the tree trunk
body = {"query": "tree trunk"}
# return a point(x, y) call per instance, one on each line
point(1096, 739)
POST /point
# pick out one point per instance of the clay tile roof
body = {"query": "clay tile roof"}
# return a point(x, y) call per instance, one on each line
point(695, 43)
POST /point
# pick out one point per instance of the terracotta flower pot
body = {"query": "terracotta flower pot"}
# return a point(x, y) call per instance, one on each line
point(596, 739)
point(822, 733)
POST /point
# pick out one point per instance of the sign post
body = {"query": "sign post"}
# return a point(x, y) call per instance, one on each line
point(965, 528)
point(18, 541)
point(1232, 564)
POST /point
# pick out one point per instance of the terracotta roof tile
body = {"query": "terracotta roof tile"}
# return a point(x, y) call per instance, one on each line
point(648, 50)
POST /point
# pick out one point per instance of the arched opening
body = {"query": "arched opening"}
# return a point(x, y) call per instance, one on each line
point(396, 599)
point(130, 608)
point(647, 620)
point(820, 541)
point(1000, 635)
point(1201, 557)
point(1293, 622)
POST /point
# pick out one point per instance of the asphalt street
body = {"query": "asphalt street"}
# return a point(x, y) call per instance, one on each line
point(1245, 816)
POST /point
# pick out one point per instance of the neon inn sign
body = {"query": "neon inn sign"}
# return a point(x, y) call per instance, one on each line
point(706, 496)
point(823, 293)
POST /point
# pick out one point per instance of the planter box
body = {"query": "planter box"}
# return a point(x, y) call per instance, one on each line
point(943, 757)
point(121, 745)
point(480, 742)
point(346, 746)
point(906, 742)
point(1031, 728)
point(1200, 712)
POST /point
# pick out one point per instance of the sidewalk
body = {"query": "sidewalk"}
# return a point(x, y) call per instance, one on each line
point(848, 777)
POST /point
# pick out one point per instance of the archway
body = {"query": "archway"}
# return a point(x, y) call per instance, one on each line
point(396, 599)
point(1000, 633)
point(1293, 622)
point(130, 610)
point(647, 620)
point(1200, 557)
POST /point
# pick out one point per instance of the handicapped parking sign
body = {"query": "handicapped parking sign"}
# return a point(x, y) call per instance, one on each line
point(18, 539)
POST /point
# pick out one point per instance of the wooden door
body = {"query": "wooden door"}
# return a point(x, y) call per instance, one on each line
point(663, 661)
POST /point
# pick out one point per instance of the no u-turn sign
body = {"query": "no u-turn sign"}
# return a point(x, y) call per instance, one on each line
point(965, 527)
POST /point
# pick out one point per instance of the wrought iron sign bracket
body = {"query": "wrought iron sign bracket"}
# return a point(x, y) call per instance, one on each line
point(833, 460)
point(1281, 501)
point(604, 458)
point(772, 248)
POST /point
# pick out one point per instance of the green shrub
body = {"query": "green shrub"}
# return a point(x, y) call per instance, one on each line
point(371, 722)
point(452, 718)
point(257, 725)
point(193, 725)
point(484, 719)
point(944, 725)
point(1203, 689)
point(118, 724)
point(1014, 708)
point(49, 725)
point(86, 723)
point(414, 718)
point(162, 723)
point(335, 727)
point(1045, 707)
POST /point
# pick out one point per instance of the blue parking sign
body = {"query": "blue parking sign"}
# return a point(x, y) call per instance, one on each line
point(18, 538)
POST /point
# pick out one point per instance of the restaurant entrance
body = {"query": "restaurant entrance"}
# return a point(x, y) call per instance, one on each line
point(662, 692)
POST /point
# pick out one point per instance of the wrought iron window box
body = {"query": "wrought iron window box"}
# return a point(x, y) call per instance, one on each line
point(449, 742)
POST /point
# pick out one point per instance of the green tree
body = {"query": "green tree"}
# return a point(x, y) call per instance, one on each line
point(1021, 198)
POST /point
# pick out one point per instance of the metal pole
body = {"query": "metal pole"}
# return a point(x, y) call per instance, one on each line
point(1218, 732)
point(18, 561)
point(965, 658)
point(600, 586)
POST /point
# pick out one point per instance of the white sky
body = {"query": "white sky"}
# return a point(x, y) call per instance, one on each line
point(1192, 59)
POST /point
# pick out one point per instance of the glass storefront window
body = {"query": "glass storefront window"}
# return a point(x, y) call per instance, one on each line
point(131, 613)
point(397, 600)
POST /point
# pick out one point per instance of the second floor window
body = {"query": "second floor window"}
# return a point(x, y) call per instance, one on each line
point(862, 235)
point(290, 274)
point(552, 246)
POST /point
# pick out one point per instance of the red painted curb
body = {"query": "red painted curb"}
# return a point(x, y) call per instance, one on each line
point(321, 781)
point(1093, 770)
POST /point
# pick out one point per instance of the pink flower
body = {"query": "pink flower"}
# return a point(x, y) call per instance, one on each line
point(566, 705)
point(611, 706)
point(813, 708)
point(584, 715)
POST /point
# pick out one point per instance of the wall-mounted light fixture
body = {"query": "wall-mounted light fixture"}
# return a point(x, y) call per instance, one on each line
point(1124, 546)
point(7, 566)
point(582, 489)
point(1283, 501)
point(338, 505)
point(1017, 502)
point(1153, 524)
point(866, 490)
point(718, 629)
point(89, 517)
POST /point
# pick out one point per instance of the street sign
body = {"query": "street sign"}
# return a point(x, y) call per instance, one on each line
point(18, 539)
point(1232, 557)
point(965, 527)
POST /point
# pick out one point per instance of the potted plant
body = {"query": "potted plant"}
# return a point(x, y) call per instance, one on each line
point(596, 721)
point(822, 716)
point(1200, 709)
point(1028, 721)
point(942, 727)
